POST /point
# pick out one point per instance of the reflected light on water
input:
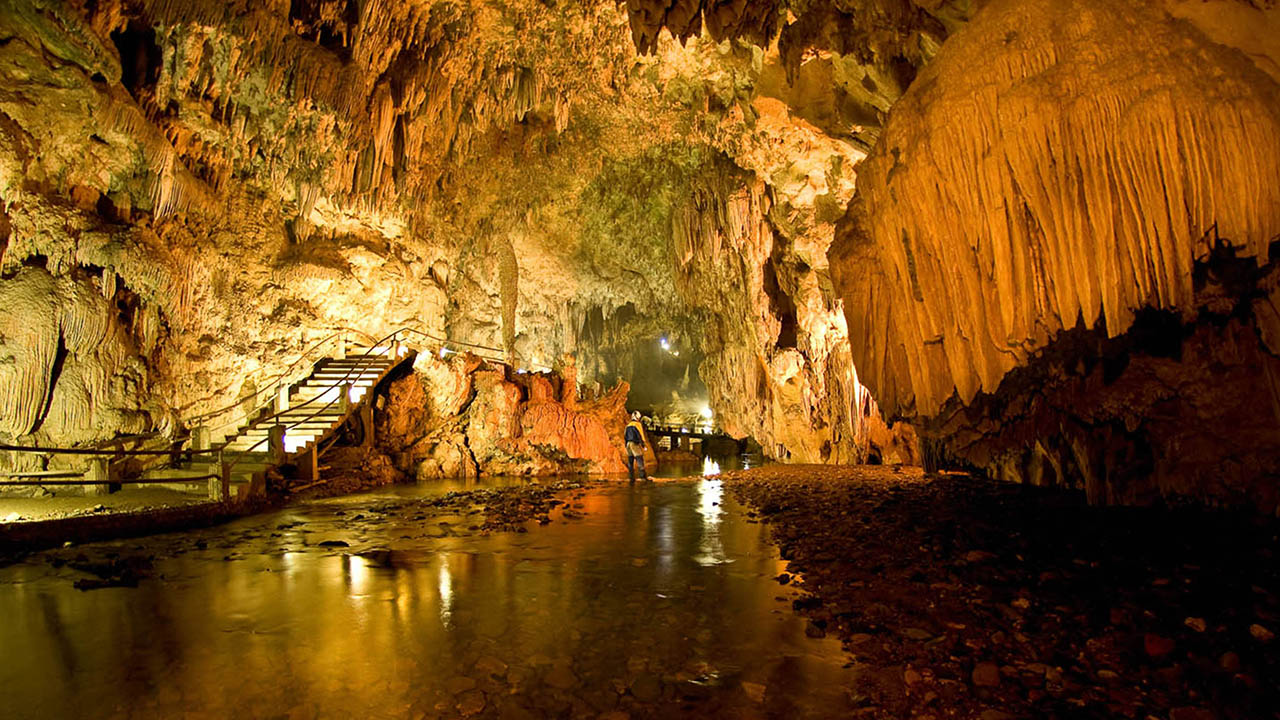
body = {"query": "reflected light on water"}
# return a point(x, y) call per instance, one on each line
point(446, 591)
point(710, 493)
point(710, 467)
point(357, 575)
point(710, 548)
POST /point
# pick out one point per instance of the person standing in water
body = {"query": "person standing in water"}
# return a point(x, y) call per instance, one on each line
point(634, 438)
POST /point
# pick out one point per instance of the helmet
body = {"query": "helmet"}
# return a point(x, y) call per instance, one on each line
point(635, 415)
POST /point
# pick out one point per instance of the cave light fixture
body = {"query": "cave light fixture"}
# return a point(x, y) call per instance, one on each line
point(666, 345)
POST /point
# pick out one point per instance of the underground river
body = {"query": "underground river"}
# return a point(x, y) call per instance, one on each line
point(652, 600)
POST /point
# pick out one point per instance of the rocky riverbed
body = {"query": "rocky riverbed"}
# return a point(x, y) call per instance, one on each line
point(960, 597)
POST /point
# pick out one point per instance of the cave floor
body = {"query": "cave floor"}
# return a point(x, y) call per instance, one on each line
point(960, 597)
point(128, 500)
point(646, 600)
point(917, 597)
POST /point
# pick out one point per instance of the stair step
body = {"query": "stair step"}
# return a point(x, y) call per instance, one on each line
point(291, 416)
point(303, 429)
point(334, 383)
point(293, 430)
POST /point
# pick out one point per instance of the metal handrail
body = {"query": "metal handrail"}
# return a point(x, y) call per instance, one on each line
point(113, 481)
point(274, 380)
point(94, 451)
point(429, 336)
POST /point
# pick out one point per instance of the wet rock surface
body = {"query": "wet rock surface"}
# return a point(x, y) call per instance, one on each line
point(960, 597)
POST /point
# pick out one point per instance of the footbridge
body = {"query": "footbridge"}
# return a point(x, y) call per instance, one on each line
point(688, 437)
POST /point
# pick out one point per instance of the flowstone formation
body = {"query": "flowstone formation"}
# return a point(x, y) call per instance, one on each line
point(1062, 266)
point(242, 182)
point(462, 418)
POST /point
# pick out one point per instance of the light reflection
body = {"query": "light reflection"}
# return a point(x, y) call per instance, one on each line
point(710, 496)
point(357, 575)
point(710, 467)
point(446, 591)
point(666, 538)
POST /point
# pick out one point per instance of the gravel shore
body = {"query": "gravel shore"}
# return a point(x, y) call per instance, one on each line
point(960, 597)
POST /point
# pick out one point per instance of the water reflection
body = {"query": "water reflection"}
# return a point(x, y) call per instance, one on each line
point(660, 594)
point(710, 467)
point(446, 590)
point(711, 550)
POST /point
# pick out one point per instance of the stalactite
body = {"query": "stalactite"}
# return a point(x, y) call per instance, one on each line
point(1032, 215)
point(509, 289)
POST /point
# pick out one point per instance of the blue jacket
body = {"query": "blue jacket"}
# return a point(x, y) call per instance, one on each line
point(633, 433)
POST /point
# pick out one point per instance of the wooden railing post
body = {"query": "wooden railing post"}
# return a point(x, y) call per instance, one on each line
point(366, 425)
point(275, 439)
point(344, 398)
point(282, 397)
point(99, 474)
point(309, 465)
point(200, 437)
point(220, 486)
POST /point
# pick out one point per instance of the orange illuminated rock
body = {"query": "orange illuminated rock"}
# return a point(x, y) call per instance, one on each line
point(505, 424)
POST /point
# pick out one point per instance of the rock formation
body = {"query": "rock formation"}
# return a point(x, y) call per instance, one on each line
point(1062, 264)
point(460, 418)
point(251, 180)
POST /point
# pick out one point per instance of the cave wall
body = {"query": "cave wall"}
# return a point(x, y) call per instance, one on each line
point(253, 178)
point(1012, 226)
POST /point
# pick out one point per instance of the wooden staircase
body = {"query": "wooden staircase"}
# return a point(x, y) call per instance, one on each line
point(305, 415)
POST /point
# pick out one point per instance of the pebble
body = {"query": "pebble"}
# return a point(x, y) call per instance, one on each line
point(986, 675)
point(973, 557)
point(1260, 633)
point(755, 691)
point(647, 688)
point(472, 702)
point(1191, 713)
point(1156, 645)
point(1229, 661)
point(916, 634)
point(561, 677)
point(1195, 623)
point(459, 684)
point(490, 665)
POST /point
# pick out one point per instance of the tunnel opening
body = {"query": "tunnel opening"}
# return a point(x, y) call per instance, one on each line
point(140, 59)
